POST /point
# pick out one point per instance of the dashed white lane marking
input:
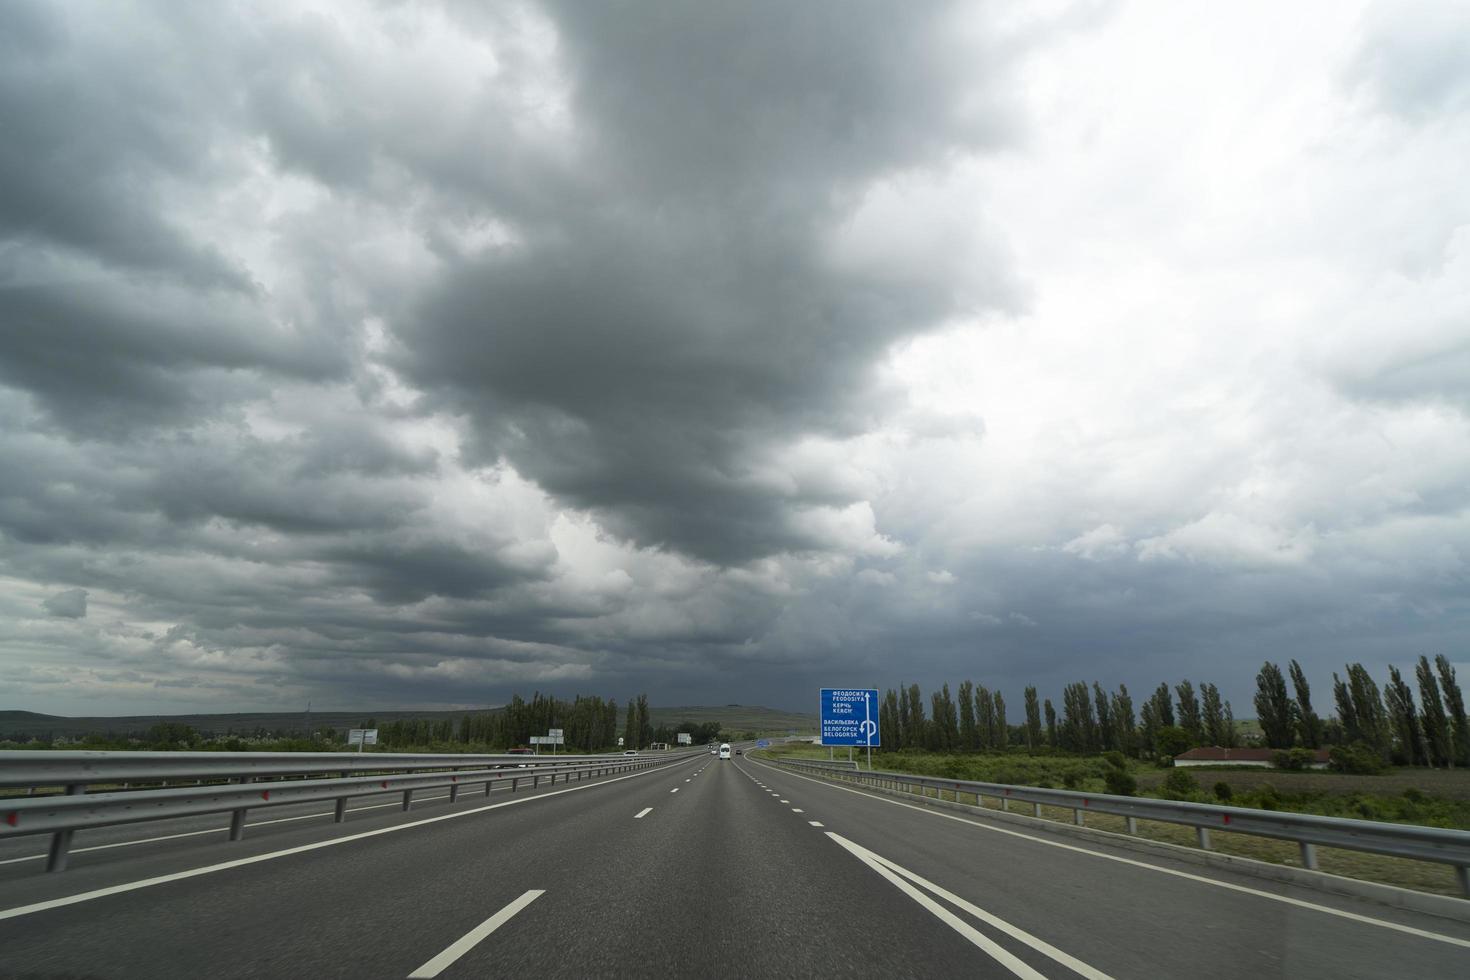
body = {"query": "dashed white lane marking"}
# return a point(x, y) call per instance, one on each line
point(131, 886)
point(643, 813)
point(893, 871)
point(1227, 885)
point(785, 801)
point(674, 790)
point(815, 823)
point(795, 810)
point(468, 941)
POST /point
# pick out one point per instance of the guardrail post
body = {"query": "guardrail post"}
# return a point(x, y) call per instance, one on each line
point(60, 845)
point(488, 784)
point(535, 780)
point(61, 840)
point(407, 798)
point(1462, 874)
point(1204, 837)
point(237, 824)
point(513, 781)
point(1036, 809)
point(1132, 825)
point(1077, 818)
point(1005, 803)
point(1309, 856)
point(340, 814)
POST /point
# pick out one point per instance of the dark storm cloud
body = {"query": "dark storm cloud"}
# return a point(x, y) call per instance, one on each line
point(417, 353)
point(71, 604)
point(641, 349)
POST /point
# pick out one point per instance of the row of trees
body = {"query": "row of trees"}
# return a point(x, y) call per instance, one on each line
point(1091, 720)
point(1387, 725)
point(1434, 731)
point(588, 724)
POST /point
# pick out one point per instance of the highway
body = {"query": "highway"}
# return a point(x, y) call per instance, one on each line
point(702, 868)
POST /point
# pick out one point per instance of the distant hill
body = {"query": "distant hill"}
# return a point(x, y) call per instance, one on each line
point(738, 718)
point(29, 724)
point(33, 725)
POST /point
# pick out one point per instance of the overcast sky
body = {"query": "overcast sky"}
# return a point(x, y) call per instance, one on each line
point(416, 354)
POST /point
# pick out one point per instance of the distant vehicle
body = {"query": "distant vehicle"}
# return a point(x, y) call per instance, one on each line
point(739, 751)
point(725, 751)
point(520, 751)
point(713, 750)
point(630, 752)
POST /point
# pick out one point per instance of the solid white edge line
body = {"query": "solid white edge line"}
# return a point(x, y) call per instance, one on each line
point(469, 940)
point(994, 921)
point(130, 886)
point(1227, 885)
point(643, 813)
point(996, 952)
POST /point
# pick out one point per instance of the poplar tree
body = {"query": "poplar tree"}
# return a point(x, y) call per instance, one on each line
point(1106, 734)
point(1001, 737)
point(1273, 706)
point(1189, 713)
point(967, 716)
point(984, 718)
point(1213, 716)
point(1436, 724)
point(1455, 701)
point(1127, 737)
point(1308, 725)
point(1033, 719)
point(1403, 719)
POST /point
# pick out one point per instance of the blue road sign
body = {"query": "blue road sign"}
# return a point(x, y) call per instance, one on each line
point(762, 743)
point(849, 716)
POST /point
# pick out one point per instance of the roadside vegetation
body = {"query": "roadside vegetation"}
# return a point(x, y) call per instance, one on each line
point(589, 724)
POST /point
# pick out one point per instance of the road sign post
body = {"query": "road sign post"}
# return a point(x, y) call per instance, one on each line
point(362, 736)
point(849, 717)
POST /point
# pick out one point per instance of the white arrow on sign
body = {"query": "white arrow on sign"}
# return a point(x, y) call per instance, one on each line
point(868, 728)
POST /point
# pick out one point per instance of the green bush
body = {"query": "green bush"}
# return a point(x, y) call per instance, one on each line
point(1115, 760)
point(1295, 760)
point(1171, 740)
point(1223, 792)
point(1266, 798)
point(1120, 783)
point(1072, 779)
point(1180, 784)
point(1414, 795)
point(1357, 758)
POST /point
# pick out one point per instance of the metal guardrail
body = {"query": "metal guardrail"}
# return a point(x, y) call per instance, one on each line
point(1308, 831)
point(44, 768)
point(249, 784)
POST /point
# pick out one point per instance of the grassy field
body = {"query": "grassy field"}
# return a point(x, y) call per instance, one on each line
point(1429, 797)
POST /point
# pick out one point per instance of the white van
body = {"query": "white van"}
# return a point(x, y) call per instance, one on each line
point(725, 751)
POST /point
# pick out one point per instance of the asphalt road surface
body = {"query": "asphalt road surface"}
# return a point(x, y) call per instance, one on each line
point(702, 868)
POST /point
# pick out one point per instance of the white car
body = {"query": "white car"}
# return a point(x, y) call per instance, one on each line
point(725, 751)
